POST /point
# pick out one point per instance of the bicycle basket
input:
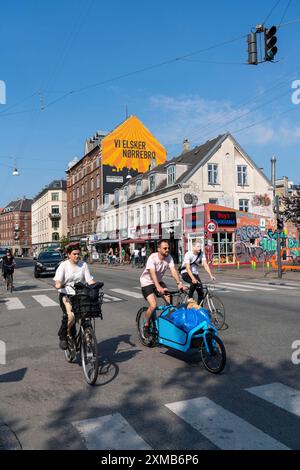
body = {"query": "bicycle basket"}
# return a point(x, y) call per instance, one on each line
point(87, 302)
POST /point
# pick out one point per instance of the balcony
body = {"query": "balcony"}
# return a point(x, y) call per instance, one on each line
point(55, 216)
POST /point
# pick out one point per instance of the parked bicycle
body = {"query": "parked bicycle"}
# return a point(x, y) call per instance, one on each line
point(86, 305)
point(170, 332)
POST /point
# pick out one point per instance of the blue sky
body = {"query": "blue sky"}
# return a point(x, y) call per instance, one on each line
point(49, 48)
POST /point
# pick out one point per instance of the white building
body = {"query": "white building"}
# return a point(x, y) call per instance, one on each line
point(49, 216)
point(150, 205)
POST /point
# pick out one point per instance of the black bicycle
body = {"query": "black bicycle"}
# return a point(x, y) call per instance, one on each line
point(86, 306)
point(9, 279)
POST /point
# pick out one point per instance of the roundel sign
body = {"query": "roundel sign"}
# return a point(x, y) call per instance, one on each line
point(211, 226)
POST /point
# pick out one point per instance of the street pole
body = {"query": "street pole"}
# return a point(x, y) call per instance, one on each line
point(278, 239)
point(276, 212)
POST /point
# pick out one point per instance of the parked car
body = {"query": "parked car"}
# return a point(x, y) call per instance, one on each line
point(2, 253)
point(47, 263)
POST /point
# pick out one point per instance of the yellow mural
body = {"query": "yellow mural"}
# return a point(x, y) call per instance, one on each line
point(131, 145)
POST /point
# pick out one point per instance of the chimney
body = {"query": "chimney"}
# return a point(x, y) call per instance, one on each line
point(186, 146)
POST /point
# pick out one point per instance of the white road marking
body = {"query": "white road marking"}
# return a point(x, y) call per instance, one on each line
point(13, 304)
point(34, 290)
point(246, 285)
point(45, 301)
point(224, 429)
point(111, 432)
point(110, 298)
point(129, 293)
point(273, 286)
point(284, 397)
point(221, 285)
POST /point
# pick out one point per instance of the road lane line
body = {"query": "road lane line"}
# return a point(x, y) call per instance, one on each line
point(111, 432)
point(13, 304)
point(247, 286)
point(110, 298)
point(273, 286)
point(45, 301)
point(284, 397)
point(33, 290)
point(223, 428)
point(128, 293)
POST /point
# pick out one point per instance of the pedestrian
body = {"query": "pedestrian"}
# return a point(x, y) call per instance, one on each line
point(143, 254)
point(136, 254)
point(123, 253)
point(110, 255)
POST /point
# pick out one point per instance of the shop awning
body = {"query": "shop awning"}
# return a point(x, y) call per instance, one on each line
point(103, 242)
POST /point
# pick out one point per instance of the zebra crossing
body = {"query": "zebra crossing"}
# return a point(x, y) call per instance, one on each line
point(13, 302)
point(223, 428)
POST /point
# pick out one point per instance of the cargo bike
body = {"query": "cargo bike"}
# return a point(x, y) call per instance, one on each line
point(182, 329)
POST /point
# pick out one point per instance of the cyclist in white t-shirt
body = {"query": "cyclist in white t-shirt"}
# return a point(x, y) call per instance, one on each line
point(67, 274)
point(190, 269)
point(151, 278)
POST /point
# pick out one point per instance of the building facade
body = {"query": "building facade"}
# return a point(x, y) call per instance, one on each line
point(153, 205)
point(15, 226)
point(49, 216)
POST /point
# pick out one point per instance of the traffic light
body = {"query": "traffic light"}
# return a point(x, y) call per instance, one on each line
point(280, 224)
point(252, 49)
point(270, 41)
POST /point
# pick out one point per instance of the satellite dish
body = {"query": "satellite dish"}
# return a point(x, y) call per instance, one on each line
point(195, 200)
point(188, 198)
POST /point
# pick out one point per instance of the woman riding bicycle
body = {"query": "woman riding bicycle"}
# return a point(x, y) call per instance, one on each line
point(67, 274)
point(190, 269)
point(8, 264)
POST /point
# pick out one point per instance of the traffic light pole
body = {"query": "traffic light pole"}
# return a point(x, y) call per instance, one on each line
point(278, 239)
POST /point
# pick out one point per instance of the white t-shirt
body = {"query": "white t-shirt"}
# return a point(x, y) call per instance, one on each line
point(143, 252)
point(69, 273)
point(136, 253)
point(189, 257)
point(160, 267)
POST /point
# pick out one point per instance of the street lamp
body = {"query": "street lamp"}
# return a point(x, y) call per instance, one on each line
point(276, 212)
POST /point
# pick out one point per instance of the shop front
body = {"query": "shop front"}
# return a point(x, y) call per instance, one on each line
point(193, 226)
point(172, 231)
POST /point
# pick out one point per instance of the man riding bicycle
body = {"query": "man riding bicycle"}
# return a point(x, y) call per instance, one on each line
point(151, 279)
point(190, 270)
point(67, 274)
point(8, 264)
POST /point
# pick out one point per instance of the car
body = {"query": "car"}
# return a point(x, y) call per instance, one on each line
point(47, 263)
point(2, 254)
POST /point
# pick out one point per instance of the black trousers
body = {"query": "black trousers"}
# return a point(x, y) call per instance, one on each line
point(194, 287)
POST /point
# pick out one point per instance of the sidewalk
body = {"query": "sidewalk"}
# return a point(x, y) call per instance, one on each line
point(245, 272)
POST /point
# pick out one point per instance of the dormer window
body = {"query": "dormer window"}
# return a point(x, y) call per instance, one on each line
point(151, 183)
point(171, 174)
point(138, 188)
point(106, 200)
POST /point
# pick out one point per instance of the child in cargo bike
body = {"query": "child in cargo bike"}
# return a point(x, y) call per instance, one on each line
point(67, 274)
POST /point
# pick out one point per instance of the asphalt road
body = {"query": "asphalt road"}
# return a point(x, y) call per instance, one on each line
point(149, 398)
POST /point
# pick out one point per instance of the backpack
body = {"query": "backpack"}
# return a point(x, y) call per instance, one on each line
point(182, 268)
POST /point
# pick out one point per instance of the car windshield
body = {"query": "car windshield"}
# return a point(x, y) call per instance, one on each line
point(50, 257)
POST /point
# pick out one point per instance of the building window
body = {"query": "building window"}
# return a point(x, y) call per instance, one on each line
point(131, 218)
point(54, 196)
point(55, 237)
point(82, 190)
point(212, 173)
point(171, 174)
point(92, 184)
point(55, 224)
point(82, 209)
point(98, 181)
point(144, 216)
point(151, 183)
point(54, 210)
point(106, 200)
point(167, 211)
point(244, 205)
point(138, 188)
point(213, 201)
point(151, 219)
point(242, 175)
point(116, 197)
point(138, 217)
point(92, 205)
point(77, 192)
point(125, 193)
point(158, 212)
point(175, 208)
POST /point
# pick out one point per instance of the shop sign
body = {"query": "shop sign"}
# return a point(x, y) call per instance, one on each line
point(114, 179)
point(224, 218)
point(145, 232)
point(171, 229)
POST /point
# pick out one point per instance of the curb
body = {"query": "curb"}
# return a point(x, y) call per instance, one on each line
point(8, 439)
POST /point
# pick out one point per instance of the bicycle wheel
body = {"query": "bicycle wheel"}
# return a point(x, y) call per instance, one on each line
point(140, 321)
point(89, 355)
point(70, 352)
point(214, 359)
point(216, 307)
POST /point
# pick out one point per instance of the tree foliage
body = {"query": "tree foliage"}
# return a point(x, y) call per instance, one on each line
point(292, 207)
point(64, 241)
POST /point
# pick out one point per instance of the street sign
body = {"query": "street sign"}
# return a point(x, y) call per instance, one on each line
point(211, 226)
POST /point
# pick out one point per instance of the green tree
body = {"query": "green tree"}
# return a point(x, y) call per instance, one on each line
point(64, 241)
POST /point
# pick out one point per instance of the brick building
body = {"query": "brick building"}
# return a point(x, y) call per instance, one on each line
point(15, 226)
